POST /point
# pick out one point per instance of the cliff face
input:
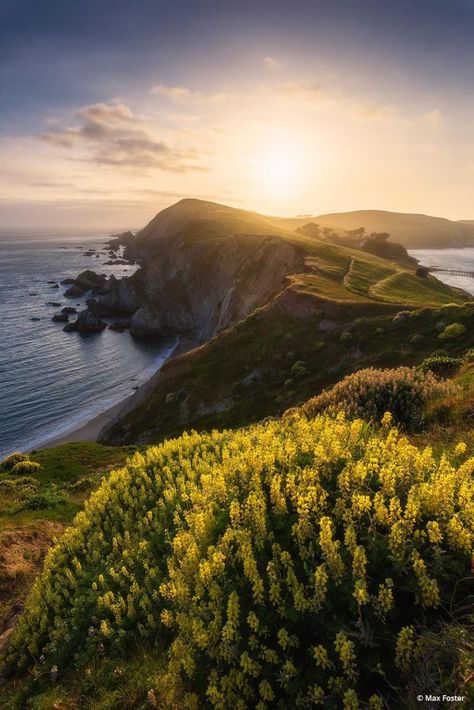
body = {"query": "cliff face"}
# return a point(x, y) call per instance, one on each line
point(270, 309)
point(198, 275)
point(202, 288)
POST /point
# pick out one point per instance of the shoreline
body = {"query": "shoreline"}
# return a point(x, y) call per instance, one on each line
point(90, 430)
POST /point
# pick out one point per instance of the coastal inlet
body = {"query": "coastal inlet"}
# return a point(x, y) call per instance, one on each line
point(51, 382)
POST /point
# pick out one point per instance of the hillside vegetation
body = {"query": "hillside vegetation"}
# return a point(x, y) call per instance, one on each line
point(299, 562)
point(291, 549)
point(40, 494)
point(264, 298)
point(414, 231)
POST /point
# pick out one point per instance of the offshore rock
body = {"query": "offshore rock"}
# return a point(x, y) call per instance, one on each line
point(86, 322)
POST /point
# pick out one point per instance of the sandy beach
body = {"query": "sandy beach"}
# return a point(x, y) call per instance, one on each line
point(90, 430)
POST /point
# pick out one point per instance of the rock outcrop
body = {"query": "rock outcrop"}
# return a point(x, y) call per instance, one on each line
point(120, 297)
point(203, 267)
point(86, 322)
point(199, 287)
point(86, 281)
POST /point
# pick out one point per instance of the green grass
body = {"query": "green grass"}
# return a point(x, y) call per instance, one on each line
point(106, 685)
point(406, 288)
point(36, 507)
point(362, 275)
point(68, 462)
point(245, 373)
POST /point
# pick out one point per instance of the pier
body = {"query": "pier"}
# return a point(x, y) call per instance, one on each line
point(453, 272)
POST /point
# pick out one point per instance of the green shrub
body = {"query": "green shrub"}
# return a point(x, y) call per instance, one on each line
point(468, 355)
point(82, 484)
point(299, 369)
point(13, 459)
point(25, 467)
point(370, 393)
point(441, 366)
point(18, 486)
point(453, 331)
point(288, 564)
point(42, 499)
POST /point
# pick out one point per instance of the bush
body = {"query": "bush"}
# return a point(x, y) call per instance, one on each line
point(288, 564)
point(453, 331)
point(468, 355)
point(18, 486)
point(82, 484)
point(299, 369)
point(25, 468)
point(370, 393)
point(42, 499)
point(13, 459)
point(441, 366)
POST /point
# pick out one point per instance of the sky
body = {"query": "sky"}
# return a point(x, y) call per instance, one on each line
point(111, 110)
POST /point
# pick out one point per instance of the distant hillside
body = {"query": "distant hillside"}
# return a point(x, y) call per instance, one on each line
point(209, 270)
point(412, 230)
point(206, 266)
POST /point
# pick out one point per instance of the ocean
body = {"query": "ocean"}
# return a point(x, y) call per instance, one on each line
point(51, 381)
point(449, 259)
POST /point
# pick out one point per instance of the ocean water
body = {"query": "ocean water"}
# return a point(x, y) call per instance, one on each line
point(51, 381)
point(449, 259)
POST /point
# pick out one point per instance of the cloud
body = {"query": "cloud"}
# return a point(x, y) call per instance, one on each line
point(114, 135)
point(322, 97)
point(181, 93)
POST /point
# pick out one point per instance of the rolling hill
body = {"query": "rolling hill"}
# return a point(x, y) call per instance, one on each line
point(288, 548)
point(414, 231)
point(257, 297)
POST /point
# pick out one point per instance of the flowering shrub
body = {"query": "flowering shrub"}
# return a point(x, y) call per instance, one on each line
point(453, 331)
point(13, 459)
point(441, 365)
point(370, 393)
point(24, 468)
point(293, 563)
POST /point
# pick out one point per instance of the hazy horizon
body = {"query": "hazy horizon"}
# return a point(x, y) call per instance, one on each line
point(115, 112)
point(109, 228)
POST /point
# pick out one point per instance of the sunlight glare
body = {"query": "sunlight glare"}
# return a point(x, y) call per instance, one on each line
point(280, 167)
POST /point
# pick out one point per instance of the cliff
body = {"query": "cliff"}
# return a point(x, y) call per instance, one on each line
point(257, 298)
point(203, 267)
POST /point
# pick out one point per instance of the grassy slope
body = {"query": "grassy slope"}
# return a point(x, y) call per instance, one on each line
point(282, 355)
point(451, 419)
point(125, 682)
point(31, 518)
point(411, 230)
point(243, 374)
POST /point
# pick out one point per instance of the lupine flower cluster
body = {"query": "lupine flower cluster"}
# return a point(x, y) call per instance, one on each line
point(294, 563)
point(369, 393)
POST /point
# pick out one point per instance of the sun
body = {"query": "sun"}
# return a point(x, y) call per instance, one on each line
point(279, 170)
point(280, 167)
